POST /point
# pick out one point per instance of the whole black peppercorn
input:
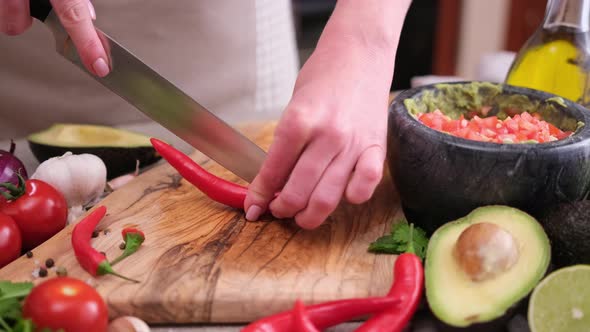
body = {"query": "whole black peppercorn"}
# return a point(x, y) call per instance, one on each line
point(49, 263)
point(42, 272)
point(95, 233)
point(122, 246)
point(29, 254)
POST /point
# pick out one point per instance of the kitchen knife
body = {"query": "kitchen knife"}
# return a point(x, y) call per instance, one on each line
point(162, 101)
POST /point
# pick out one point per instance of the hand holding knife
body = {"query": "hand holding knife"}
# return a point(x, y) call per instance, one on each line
point(159, 99)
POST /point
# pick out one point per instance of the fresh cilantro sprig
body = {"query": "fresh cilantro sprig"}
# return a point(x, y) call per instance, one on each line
point(11, 296)
point(403, 238)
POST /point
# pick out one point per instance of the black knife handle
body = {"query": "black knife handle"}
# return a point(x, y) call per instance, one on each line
point(40, 9)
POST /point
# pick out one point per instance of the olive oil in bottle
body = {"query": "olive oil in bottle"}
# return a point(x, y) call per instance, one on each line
point(556, 58)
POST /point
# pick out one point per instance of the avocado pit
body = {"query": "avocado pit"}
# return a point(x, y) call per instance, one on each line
point(485, 250)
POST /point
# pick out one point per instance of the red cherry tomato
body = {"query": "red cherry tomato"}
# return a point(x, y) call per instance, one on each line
point(66, 303)
point(10, 240)
point(40, 212)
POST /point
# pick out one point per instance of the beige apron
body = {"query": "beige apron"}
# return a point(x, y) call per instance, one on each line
point(236, 57)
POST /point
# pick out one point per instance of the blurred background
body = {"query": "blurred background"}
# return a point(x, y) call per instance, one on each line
point(464, 39)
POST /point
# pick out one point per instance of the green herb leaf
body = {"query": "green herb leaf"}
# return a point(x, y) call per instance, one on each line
point(401, 223)
point(11, 295)
point(403, 238)
point(24, 325)
point(10, 290)
point(385, 244)
point(10, 309)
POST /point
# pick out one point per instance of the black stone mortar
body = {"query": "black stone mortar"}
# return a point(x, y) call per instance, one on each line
point(441, 177)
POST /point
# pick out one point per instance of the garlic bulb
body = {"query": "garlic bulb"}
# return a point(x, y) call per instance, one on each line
point(80, 178)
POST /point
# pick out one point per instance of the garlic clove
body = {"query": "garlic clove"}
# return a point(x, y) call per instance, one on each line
point(74, 213)
point(128, 324)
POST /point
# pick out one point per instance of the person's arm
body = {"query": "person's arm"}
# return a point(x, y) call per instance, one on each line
point(331, 140)
point(75, 15)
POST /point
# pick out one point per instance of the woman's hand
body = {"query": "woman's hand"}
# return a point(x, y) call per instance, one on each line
point(331, 141)
point(75, 15)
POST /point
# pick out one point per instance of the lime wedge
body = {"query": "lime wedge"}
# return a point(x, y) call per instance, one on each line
point(561, 301)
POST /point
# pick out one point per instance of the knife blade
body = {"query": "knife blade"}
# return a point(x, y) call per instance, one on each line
point(160, 100)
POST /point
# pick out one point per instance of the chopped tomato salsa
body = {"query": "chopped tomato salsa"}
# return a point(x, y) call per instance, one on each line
point(519, 128)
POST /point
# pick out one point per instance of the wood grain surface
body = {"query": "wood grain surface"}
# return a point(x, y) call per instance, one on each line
point(203, 262)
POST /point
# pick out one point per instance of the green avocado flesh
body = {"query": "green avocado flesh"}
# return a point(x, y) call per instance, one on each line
point(456, 99)
point(121, 150)
point(79, 135)
point(457, 299)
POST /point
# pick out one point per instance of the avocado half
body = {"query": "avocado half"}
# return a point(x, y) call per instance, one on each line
point(119, 149)
point(479, 267)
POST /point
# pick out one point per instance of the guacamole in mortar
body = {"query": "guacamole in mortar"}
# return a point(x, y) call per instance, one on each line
point(484, 107)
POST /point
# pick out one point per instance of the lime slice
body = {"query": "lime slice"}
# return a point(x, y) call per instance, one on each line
point(561, 302)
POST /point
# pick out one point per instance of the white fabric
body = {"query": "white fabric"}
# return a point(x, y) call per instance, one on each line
point(276, 55)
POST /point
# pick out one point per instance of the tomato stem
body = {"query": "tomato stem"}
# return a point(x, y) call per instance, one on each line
point(14, 191)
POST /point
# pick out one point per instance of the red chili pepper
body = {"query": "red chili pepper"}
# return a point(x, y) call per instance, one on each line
point(133, 238)
point(324, 315)
point(90, 259)
point(301, 322)
point(216, 188)
point(404, 297)
point(408, 285)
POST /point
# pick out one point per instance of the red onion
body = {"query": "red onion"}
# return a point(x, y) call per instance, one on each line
point(10, 166)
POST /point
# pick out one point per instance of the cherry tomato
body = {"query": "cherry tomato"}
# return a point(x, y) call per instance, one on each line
point(10, 240)
point(40, 212)
point(66, 303)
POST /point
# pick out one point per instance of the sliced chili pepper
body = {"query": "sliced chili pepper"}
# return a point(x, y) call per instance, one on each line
point(89, 258)
point(216, 188)
point(133, 239)
point(301, 322)
point(324, 315)
point(408, 286)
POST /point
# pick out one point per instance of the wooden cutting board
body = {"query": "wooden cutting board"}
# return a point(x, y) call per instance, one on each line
point(203, 262)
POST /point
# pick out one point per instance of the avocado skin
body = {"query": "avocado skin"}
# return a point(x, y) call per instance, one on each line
point(118, 160)
point(568, 227)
